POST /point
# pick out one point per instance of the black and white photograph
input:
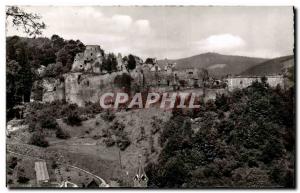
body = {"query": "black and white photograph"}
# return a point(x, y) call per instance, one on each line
point(150, 97)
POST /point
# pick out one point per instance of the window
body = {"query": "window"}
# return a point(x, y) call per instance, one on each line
point(78, 79)
point(190, 72)
point(241, 82)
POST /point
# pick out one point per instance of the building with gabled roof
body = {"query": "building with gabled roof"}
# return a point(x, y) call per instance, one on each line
point(42, 175)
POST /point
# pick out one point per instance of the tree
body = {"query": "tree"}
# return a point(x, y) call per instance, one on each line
point(66, 54)
point(54, 69)
point(131, 62)
point(19, 73)
point(57, 42)
point(110, 63)
point(247, 147)
point(149, 61)
point(30, 22)
point(123, 81)
point(62, 134)
point(38, 139)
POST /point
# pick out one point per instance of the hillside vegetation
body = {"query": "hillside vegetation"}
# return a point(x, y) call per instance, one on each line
point(221, 65)
point(270, 67)
point(246, 139)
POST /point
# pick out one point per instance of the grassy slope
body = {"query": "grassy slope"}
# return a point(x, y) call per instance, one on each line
point(93, 155)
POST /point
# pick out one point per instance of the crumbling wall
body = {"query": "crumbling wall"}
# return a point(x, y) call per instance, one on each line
point(88, 61)
point(48, 90)
point(243, 82)
point(82, 88)
point(53, 89)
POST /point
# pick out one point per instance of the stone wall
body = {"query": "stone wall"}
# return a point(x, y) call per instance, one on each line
point(243, 82)
point(88, 61)
point(53, 89)
point(48, 90)
point(82, 88)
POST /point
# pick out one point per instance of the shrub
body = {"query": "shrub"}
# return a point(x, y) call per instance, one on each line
point(92, 108)
point(222, 102)
point(182, 83)
point(10, 181)
point(108, 116)
point(109, 142)
point(54, 164)
point(123, 81)
point(123, 143)
point(47, 121)
point(62, 134)
point(156, 125)
point(38, 139)
point(12, 163)
point(73, 119)
point(117, 128)
point(23, 179)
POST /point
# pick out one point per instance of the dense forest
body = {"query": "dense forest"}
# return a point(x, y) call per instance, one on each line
point(245, 139)
point(24, 56)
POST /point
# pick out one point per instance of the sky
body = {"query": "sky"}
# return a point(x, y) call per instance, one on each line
point(172, 31)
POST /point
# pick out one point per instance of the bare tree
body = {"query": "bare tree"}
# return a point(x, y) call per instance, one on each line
point(30, 22)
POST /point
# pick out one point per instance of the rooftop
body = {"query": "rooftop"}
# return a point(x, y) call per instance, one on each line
point(41, 171)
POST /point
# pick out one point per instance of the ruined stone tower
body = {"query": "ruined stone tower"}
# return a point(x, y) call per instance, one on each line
point(140, 179)
point(121, 65)
point(88, 61)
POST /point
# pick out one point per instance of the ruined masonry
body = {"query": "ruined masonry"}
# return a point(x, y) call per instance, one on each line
point(87, 80)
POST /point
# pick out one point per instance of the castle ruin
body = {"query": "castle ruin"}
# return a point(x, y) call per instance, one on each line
point(89, 61)
point(87, 80)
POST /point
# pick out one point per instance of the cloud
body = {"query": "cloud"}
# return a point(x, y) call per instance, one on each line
point(221, 42)
point(173, 32)
point(143, 26)
point(120, 22)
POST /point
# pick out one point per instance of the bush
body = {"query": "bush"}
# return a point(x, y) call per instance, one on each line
point(123, 81)
point(54, 164)
point(10, 181)
point(62, 134)
point(117, 128)
point(73, 119)
point(123, 143)
point(38, 139)
point(23, 179)
point(47, 121)
point(108, 116)
point(109, 142)
point(92, 108)
point(12, 163)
